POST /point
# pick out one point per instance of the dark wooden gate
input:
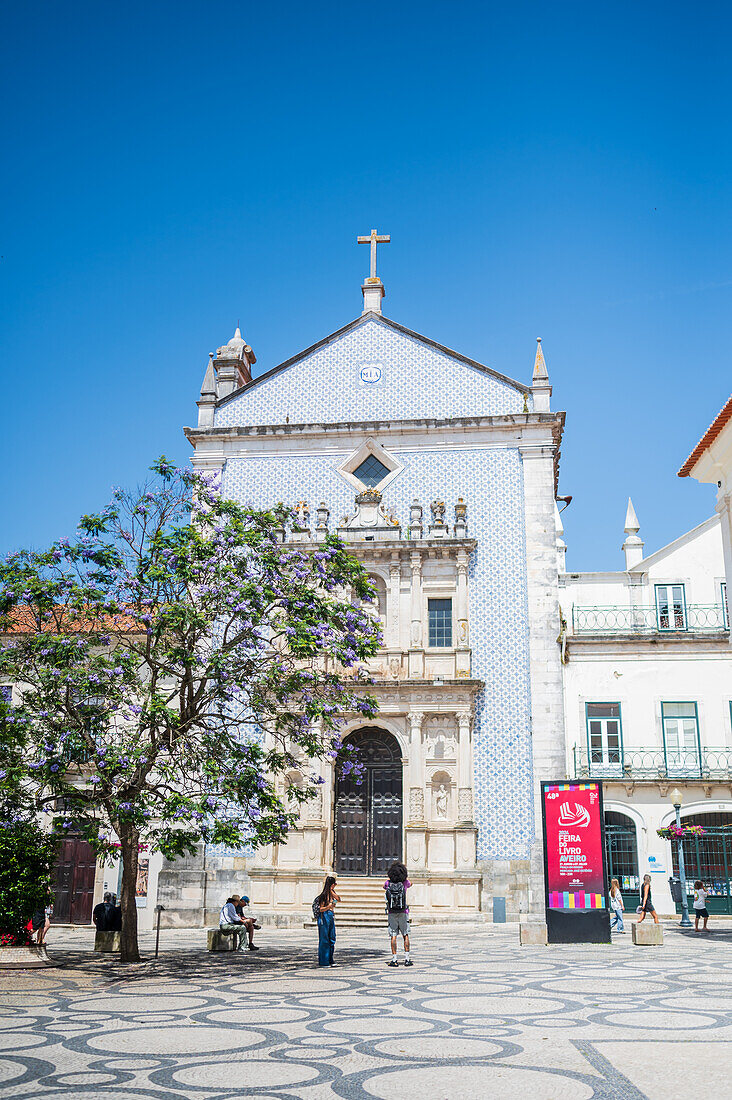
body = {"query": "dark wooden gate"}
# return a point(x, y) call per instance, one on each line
point(368, 815)
point(74, 882)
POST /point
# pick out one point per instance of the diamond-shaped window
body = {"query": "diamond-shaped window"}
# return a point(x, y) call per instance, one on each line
point(371, 471)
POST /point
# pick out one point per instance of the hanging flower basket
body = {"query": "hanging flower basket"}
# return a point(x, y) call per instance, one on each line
point(678, 832)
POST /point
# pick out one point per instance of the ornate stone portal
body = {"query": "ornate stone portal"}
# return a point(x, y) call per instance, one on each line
point(424, 797)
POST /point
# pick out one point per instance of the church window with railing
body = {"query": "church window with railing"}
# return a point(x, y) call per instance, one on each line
point(604, 733)
point(681, 737)
point(671, 606)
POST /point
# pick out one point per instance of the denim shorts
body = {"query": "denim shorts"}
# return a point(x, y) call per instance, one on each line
point(398, 924)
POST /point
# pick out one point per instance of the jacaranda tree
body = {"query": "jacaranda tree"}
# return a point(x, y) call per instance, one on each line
point(170, 663)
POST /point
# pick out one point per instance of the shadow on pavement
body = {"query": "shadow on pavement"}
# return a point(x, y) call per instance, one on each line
point(187, 963)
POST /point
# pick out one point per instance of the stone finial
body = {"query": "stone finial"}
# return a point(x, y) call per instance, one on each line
point(234, 361)
point(633, 545)
point(301, 520)
point(461, 518)
point(207, 401)
point(541, 374)
point(632, 526)
point(540, 387)
point(437, 507)
point(415, 520)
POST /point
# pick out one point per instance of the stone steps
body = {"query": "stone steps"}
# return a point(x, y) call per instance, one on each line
point(363, 902)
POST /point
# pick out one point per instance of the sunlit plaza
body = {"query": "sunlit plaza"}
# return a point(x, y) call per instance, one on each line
point(476, 1016)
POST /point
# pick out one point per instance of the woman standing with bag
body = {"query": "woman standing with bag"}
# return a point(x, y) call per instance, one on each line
point(325, 904)
point(616, 904)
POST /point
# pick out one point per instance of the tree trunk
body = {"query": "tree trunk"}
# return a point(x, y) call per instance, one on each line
point(129, 950)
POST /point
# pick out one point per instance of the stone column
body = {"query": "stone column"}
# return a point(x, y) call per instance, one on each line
point(416, 831)
point(395, 578)
point(465, 768)
point(415, 719)
point(463, 627)
point(547, 704)
point(416, 651)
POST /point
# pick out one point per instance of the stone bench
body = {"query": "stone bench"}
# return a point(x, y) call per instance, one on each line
point(221, 941)
point(648, 934)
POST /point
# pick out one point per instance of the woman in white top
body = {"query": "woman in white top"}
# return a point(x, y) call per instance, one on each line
point(700, 905)
point(616, 904)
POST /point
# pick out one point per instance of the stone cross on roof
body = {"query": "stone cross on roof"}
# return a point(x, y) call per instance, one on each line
point(373, 240)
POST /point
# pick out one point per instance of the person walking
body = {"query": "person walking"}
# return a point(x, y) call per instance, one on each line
point(325, 903)
point(41, 922)
point(616, 904)
point(397, 910)
point(700, 905)
point(646, 902)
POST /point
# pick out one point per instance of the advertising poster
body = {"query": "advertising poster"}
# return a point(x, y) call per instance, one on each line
point(574, 863)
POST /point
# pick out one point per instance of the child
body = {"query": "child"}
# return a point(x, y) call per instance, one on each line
point(616, 904)
point(700, 905)
point(397, 910)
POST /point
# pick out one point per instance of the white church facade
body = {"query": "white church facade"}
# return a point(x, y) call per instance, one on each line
point(440, 474)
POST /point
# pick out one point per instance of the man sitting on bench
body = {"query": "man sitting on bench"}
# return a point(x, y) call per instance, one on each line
point(230, 923)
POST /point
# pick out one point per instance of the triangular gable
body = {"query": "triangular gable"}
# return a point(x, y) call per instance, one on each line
point(372, 369)
point(677, 544)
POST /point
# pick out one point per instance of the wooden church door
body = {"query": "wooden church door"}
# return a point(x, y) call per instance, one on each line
point(368, 814)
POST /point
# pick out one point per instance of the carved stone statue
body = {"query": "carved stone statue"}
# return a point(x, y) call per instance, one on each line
point(441, 802)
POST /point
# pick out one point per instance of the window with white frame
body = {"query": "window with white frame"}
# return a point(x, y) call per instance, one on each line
point(680, 737)
point(604, 735)
point(671, 606)
point(439, 618)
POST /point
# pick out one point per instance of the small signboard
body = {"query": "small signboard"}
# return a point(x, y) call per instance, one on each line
point(575, 876)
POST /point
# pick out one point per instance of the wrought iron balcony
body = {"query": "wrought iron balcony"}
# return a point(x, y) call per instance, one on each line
point(695, 618)
point(653, 764)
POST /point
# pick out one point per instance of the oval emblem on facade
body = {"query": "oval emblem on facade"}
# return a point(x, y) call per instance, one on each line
point(370, 373)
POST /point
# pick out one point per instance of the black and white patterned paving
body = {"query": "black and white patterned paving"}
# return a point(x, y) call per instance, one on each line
point(477, 1016)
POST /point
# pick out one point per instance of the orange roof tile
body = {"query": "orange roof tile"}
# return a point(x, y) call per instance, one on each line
point(723, 418)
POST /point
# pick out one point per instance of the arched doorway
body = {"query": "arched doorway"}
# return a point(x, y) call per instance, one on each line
point(368, 815)
point(621, 850)
point(708, 857)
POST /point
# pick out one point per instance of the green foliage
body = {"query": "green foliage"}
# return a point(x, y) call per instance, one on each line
point(175, 658)
point(27, 855)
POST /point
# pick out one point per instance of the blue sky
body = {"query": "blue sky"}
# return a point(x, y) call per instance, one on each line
point(544, 170)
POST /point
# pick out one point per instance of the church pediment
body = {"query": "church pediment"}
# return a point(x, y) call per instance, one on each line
point(373, 369)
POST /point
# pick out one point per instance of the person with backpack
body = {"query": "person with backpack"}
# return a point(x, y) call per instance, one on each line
point(397, 910)
point(324, 913)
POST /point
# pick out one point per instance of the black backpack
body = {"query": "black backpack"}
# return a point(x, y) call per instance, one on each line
point(316, 908)
point(396, 897)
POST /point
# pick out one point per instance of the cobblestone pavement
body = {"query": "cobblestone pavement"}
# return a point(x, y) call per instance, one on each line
point(477, 1016)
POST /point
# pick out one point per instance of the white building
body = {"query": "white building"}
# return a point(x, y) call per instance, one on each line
point(648, 697)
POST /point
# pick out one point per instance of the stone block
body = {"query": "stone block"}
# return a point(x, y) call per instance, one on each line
point(648, 934)
point(533, 935)
point(22, 958)
point(218, 941)
point(106, 941)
